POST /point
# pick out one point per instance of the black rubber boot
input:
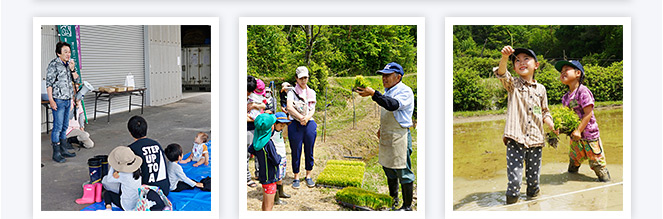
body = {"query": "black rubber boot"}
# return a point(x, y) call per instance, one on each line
point(74, 140)
point(277, 199)
point(511, 199)
point(573, 168)
point(63, 148)
point(393, 192)
point(407, 196)
point(279, 189)
point(57, 157)
point(533, 193)
point(104, 164)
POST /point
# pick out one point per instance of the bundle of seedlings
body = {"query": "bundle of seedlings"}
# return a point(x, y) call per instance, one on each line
point(360, 81)
point(359, 199)
point(566, 120)
point(341, 173)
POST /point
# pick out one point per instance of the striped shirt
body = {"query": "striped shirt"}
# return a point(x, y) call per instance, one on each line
point(527, 107)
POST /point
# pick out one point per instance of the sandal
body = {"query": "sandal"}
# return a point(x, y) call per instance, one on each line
point(251, 184)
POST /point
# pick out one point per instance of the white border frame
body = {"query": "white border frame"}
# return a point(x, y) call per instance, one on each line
point(449, 23)
point(421, 171)
point(37, 22)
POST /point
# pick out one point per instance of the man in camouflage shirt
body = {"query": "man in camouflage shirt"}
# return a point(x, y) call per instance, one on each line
point(60, 73)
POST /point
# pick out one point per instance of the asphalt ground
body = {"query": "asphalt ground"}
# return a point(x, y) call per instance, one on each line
point(61, 183)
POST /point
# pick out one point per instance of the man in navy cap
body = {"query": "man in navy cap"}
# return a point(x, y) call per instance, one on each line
point(397, 106)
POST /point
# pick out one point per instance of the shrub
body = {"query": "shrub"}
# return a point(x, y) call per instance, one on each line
point(468, 94)
point(360, 197)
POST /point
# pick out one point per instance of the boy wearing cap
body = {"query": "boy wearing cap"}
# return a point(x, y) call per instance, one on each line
point(265, 152)
point(527, 111)
point(395, 139)
point(282, 122)
point(585, 140)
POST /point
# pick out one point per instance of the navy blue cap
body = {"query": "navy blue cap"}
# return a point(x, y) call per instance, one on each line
point(572, 63)
point(391, 68)
point(517, 51)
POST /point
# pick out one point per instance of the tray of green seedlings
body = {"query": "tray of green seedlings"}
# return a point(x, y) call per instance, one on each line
point(359, 199)
point(566, 120)
point(342, 173)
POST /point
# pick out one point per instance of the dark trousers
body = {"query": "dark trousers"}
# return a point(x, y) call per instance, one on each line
point(298, 135)
point(181, 186)
point(111, 197)
point(516, 153)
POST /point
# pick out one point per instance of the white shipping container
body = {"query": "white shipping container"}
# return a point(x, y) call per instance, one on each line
point(196, 69)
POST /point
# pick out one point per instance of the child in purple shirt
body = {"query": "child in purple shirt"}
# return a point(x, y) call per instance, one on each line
point(585, 140)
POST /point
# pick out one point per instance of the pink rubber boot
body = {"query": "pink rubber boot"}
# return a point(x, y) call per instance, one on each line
point(88, 195)
point(97, 192)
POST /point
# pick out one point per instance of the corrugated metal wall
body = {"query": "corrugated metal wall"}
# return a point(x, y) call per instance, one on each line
point(108, 54)
point(49, 37)
point(165, 83)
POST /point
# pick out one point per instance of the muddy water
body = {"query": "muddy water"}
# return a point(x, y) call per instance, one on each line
point(480, 175)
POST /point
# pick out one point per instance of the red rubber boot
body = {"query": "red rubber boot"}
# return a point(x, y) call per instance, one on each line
point(88, 195)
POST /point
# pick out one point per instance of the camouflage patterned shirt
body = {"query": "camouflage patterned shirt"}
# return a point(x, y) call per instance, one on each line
point(58, 77)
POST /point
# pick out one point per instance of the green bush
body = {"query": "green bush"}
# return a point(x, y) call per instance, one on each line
point(482, 66)
point(360, 197)
point(606, 83)
point(468, 93)
point(342, 173)
point(472, 93)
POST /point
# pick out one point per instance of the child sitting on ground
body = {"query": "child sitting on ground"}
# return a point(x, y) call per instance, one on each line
point(122, 187)
point(178, 180)
point(282, 122)
point(585, 139)
point(527, 111)
point(199, 153)
point(265, 152)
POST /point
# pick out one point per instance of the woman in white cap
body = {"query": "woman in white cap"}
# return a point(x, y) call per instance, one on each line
point(301, 107)
point(122, 187)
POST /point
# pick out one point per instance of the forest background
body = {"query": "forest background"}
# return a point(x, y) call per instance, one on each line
point(476, 50)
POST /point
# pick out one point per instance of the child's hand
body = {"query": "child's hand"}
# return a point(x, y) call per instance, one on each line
point(196, 164)
point(507, 51)
point(575, 135)
point(184, 161)
point(199, 185)
point(116, 175)
point(556, 131)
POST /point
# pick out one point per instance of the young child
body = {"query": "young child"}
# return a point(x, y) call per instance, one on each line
point(585, 140)
point(265, 153)
point(178, 180)
point(153, 168)
point(122, 187)
point(527, 110)
point(282, 122)
point(199, 152)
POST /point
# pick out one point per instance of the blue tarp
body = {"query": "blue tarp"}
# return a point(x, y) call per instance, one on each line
point(187, 200)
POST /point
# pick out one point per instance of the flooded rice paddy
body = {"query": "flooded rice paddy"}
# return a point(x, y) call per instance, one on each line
point(479, 170)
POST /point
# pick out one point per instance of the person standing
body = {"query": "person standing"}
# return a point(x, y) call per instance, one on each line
point(397, 106)
point(60, 74)
point(301, 107)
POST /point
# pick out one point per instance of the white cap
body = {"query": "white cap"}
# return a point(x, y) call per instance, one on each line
point(301, 71)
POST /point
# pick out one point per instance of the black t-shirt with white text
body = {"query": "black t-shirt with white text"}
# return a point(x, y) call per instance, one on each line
point(153, 168)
